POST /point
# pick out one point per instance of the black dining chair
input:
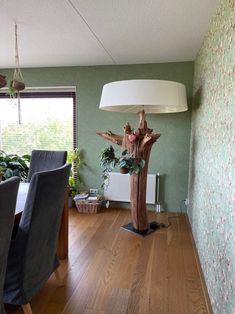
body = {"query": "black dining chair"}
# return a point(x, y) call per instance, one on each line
point(32, 256)
point(8, 194)
point(42, 160)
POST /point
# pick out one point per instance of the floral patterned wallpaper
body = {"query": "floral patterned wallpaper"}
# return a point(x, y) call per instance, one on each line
point(212, 161)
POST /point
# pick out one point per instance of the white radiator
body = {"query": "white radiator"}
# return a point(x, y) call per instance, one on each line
point(119, 188)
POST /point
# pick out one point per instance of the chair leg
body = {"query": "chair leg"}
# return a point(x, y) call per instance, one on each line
point(58, 278)
point(27, 308)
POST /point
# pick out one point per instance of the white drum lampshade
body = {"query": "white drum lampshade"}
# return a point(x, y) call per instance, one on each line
point(152, 96)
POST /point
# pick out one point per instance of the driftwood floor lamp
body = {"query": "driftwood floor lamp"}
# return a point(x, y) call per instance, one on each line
point(140, 96)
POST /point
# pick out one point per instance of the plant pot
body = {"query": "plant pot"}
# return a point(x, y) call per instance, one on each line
point(18, 86)
point(124, 170)
point(3, 81)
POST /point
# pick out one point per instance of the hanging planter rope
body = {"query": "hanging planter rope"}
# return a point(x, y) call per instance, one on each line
point(17, 84)
point(18, 80)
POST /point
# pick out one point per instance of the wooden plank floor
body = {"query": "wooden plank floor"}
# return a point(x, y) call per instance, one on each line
point(112, 271)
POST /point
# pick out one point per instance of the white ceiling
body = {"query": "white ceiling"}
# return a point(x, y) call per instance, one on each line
point(95, 32)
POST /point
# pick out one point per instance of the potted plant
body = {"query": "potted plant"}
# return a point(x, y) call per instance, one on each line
point(130, 164)
point(17, 84)
point(74, 158)
point(15, 87)
point(3, 81)
point(108, 161)
point(107, 154)
point(2, 170)
point(126, 162)
point(14, 165)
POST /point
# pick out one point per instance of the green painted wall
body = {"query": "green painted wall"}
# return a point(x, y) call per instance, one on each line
point(212, 171)
point(170, 155)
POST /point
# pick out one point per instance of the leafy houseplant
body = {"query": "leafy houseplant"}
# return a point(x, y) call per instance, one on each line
point(126, 162)
point(74, 158)
point(13, 165)
point(129, 164)
point(108, 161)
point(2, 170)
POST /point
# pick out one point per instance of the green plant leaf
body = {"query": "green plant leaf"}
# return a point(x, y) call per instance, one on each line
point(8, 173)
point(13, 165)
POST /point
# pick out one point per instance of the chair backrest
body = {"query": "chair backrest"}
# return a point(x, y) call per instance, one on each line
point(42, 160)
point(8, 195)
point(32, 258)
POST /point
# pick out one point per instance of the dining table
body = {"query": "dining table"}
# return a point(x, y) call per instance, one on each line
point(62, 248)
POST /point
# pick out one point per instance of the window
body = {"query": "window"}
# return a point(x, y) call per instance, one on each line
point(43, 120)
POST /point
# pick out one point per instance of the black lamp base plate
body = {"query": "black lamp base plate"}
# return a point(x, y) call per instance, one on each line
point(153, 226)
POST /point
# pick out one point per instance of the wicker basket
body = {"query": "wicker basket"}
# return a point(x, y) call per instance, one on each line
point(88, 207)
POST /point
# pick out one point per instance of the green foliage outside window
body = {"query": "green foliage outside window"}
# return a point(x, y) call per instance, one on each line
point(22, 139)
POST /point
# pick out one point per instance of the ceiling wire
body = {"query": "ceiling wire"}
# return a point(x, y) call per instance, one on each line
point(91, 30)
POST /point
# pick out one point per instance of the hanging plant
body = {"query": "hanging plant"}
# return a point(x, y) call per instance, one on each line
point(108, 161)
point(130, 164)
point(17, 84)
point(3, 81)
point(15, 88)
point(18, 81)
point(126, 162)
